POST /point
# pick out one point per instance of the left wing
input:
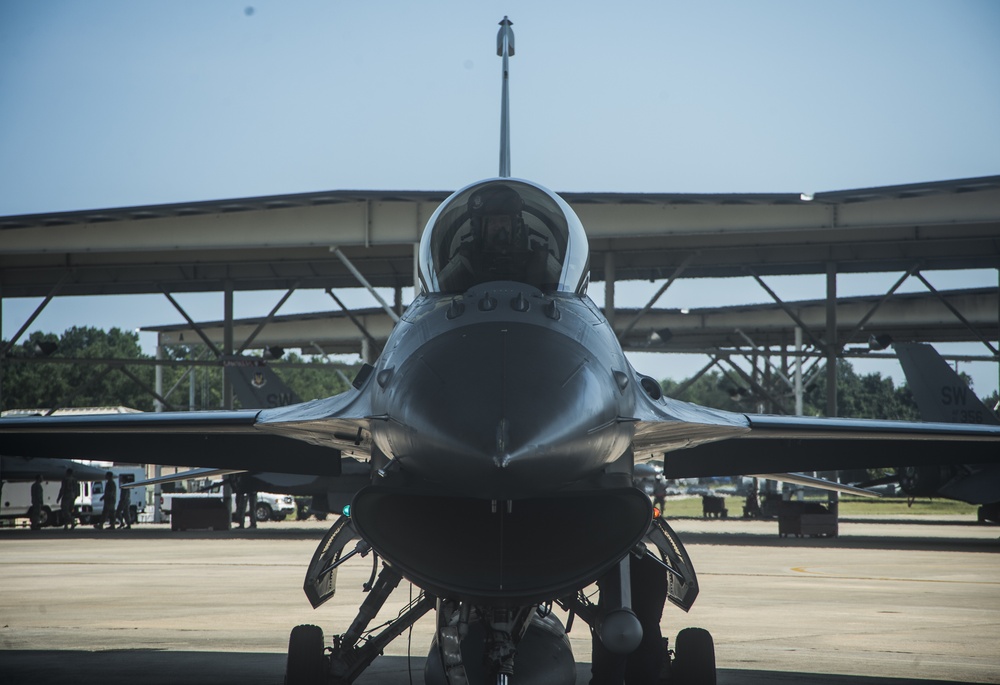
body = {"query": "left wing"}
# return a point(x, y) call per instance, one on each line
point(777, 444)
point(697, 441)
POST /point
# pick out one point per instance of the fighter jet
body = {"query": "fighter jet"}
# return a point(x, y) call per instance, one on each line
point(942, 395)
point(501, 425)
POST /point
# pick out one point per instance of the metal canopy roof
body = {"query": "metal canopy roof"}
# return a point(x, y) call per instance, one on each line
point(281, 241)
point(911, 317)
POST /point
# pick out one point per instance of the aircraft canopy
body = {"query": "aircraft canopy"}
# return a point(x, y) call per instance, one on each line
point(504, 230)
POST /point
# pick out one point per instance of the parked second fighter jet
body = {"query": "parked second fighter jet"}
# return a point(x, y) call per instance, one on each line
point(942, 395)
point(502, 424)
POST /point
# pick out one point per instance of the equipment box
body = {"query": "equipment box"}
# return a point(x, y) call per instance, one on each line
point(806, 518)
point(713, 506)
point(199, 512)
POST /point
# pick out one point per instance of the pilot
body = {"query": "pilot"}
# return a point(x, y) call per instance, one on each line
point(499, 237)
point(499, 245)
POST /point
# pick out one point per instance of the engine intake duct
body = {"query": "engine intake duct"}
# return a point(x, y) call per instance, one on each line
point(477, 550)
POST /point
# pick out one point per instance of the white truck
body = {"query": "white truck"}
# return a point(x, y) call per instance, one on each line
point(15, 501)
point(270, 506)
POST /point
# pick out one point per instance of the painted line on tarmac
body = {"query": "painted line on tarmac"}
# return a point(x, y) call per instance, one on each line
point(831, 576)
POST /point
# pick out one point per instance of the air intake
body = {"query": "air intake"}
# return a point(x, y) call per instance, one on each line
point(538, 549)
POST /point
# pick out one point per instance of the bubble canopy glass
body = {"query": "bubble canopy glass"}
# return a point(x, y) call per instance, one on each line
point(504, 230)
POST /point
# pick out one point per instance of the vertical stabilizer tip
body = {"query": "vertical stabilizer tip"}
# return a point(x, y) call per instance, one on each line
point(508, 33)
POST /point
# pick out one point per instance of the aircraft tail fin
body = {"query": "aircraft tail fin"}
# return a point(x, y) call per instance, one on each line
point(940, 393)
point(259, 387)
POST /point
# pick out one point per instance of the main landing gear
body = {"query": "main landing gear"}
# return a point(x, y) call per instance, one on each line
point(495, 645)
point(309, 663)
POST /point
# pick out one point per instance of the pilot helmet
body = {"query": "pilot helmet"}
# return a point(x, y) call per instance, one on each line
point(497, 225)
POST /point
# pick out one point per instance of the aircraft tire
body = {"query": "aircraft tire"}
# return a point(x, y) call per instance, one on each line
point(306, 662)
point(694, 663)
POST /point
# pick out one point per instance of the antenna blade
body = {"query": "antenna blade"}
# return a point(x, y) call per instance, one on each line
point(505, 49)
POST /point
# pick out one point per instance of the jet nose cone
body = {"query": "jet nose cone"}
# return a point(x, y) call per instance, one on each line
point(530, 410)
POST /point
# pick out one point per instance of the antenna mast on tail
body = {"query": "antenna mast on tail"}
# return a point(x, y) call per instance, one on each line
point(505, 49)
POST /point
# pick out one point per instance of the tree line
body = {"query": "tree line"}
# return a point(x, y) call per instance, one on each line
point(33, 377)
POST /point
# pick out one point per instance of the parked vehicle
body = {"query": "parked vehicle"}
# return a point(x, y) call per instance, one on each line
point(270, 506)
point(15, 501)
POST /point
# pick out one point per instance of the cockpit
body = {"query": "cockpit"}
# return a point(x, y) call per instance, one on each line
point(504, 230)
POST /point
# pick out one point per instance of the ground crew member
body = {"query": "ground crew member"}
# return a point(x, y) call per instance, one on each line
point(110, 499)
point(124, 511)
point(68, 492)
point(36, 503)
point(245, 496)
point(659, 492)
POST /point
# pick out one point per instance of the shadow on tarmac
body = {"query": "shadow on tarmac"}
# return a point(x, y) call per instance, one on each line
point(933, 544)
point(140, 531)
point(155, 667)
point(728, 534)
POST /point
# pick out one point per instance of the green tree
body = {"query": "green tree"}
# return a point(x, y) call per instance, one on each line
point(45, 385)
point(713, 389)
point(36, 384)
point(868, 396)
point(317, 381)
point(865, 397)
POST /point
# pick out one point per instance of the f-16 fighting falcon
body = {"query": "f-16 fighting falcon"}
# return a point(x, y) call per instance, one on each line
point(501, 426)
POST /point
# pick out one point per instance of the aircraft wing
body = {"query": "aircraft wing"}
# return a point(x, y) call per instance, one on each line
point(776, 444)
point(239, 440)
point(696, 441)
point(308, 438)
point(23, 468)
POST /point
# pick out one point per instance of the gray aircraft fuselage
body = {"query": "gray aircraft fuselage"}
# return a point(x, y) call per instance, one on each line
point(503, 392)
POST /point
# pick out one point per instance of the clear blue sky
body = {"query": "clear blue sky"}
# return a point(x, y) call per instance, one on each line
point(117, 103)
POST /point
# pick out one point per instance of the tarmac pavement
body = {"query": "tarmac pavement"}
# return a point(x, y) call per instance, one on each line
point(885, 602)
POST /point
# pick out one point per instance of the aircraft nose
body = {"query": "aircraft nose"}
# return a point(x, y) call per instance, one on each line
point(529, 410)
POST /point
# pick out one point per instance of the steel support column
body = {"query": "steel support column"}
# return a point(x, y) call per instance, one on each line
point(831, 339)
point(227, 344)
point(798, 371)
point(157, 405)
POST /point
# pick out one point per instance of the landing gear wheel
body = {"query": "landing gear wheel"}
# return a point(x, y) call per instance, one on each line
point(306, 661)
point(694, 663)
